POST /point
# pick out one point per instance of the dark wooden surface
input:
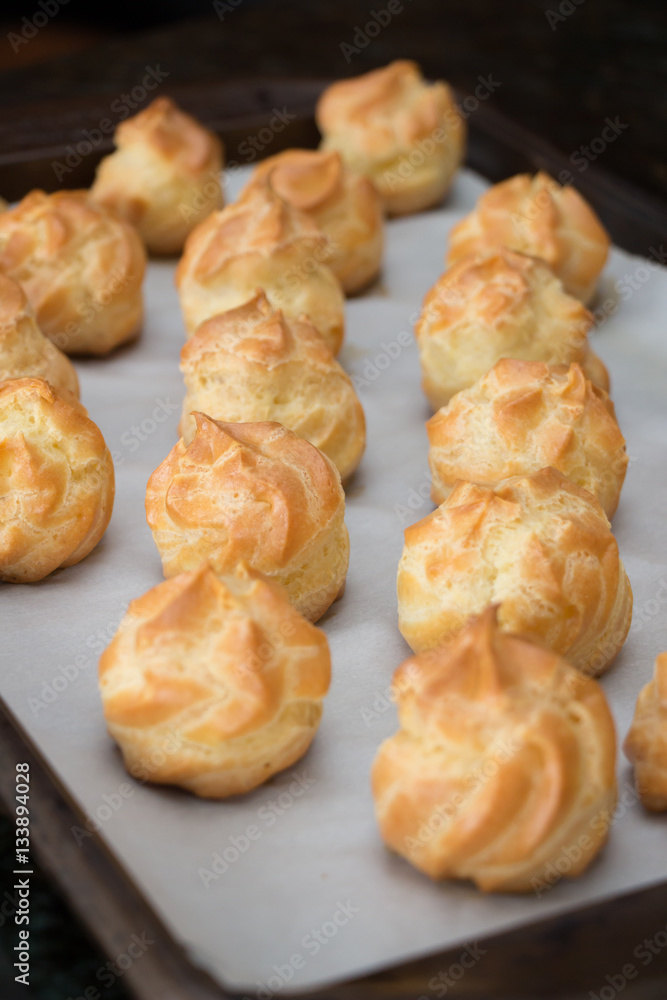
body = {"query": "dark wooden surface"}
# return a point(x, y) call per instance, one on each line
point(560, 78)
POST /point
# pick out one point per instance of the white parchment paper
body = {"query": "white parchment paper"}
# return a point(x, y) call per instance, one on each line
point(290, 888)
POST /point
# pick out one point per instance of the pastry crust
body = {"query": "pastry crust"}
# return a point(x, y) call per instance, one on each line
point(253, 492)
point(80, 267)
point(252, 364)
point(56, 481)
point(503, 768)
point(501, 305)
point(24, 350)
point(214, 684)
point(403, 133)
point(646, 743)
point(344, 204)
point(164, 177)
point(539, 547)
point(521, 417)
point(260, 242)
point(536, 216)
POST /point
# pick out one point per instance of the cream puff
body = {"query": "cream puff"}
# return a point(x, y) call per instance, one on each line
point(56, 481)
point(345, 205)
point(521, 417)
point(80, 267)
point(405, 134)
point(536, 216)
point(646, 743)
point(260, 242)
point(503, 769)
point(253, 492)
point(502, 305)
point(252, 364)
point(164, 177)
point(214, 684)
point(24, 350)
point(537, 546)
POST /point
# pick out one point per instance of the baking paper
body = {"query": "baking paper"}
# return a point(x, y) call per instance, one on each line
point(290, 887)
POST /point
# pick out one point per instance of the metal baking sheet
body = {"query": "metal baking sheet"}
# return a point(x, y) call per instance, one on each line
point(290, 888)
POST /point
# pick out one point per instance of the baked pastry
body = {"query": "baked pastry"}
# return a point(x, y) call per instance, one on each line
point(521, 417)
point(537, 216)
point(345, 205)
point(403, 133)
point(254, 492)
point(539, 547)
point(56, 481)
point(214, 684)
point(260, 242)
point(252, 364)
point(646, 743)
point(80, 267)
point(24, 350)
point(502, 305)
point(164, 177)
point(503, 769)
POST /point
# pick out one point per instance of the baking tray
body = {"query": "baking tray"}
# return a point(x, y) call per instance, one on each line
point(126, 370)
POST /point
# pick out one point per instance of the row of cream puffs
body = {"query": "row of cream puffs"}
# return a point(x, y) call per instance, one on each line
point(504, 347)
point(80, 255)
point(517, 569)
point(261, 284)
point(373, 127)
